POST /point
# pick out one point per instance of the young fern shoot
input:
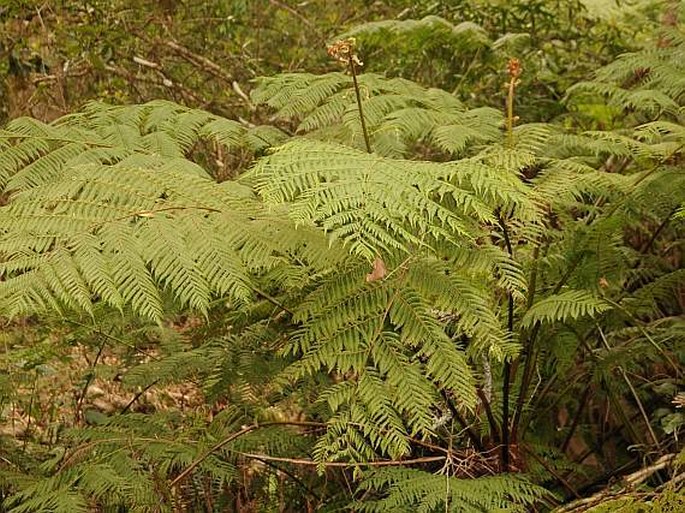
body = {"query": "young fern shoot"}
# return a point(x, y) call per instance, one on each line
point(343, 51)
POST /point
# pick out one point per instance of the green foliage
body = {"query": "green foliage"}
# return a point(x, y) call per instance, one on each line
point(406, 328)
point(649, 81)
point(155, 135)
point(399, 113)
point(411, 490)
point(563, 307)
point(463, 46)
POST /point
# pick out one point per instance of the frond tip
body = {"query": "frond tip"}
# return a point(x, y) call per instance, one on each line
point(565, 306)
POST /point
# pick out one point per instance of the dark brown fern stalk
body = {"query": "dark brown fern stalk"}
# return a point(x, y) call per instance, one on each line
point(343, 51)
point(514, 70)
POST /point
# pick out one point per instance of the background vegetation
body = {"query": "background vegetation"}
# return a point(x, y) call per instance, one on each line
point(437, 267)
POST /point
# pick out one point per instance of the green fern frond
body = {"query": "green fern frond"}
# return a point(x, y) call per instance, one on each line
point(385, 338)
point(494, 176)
point(459, 290)
point(119, 463)
point(121, 235)
point(370, 203)
point(656, 194)
point(649, 101)
point(415, 490)
point(398, 112)
point(570, 183)
point(649, 81)
point(656, 293)
point(47, 497)
point(565, 306)
point(154, 135)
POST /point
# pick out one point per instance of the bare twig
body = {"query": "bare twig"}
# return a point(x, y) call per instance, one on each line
point(553, 472)
point(295, 13)
point(138, 396)
point(247, 429)
point(652, 435)
point(239, 91)
point(199, 61)
point(164, 82)
point(78, 413)
point(145, 62)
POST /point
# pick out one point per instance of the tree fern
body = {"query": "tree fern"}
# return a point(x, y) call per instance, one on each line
point(153, 135)
point(398, 112)
point(649, 81)
point(356, 197)
point(386, 340)
point(90, 233)
point(390, 311)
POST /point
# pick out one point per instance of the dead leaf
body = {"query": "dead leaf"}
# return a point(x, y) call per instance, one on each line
point(379, 270)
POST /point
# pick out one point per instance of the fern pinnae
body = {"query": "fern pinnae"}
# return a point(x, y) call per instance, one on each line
point(563, 306)
point(516, 245)
point(404, 487)
point(172, 266)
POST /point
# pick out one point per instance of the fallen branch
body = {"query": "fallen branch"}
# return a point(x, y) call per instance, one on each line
point(342, 464)
point(262, 457)
point(247, 429)
point(629, 482)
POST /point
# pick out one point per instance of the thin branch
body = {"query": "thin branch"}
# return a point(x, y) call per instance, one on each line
point(291, 475)
point(66, 461)
point(113, 338)
point(475, 439)
point(488, 413)
point(604, 437)
point(272, 300)
point(341, 464)
point(138, 396)
point(652, 435)
point(199, 61)
point(91, 375)
point(296, 14)
point(164, 82)
point(553, 472)
point(576, 416)
point(639, 324)
point(648, 245)
point(248, 429)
